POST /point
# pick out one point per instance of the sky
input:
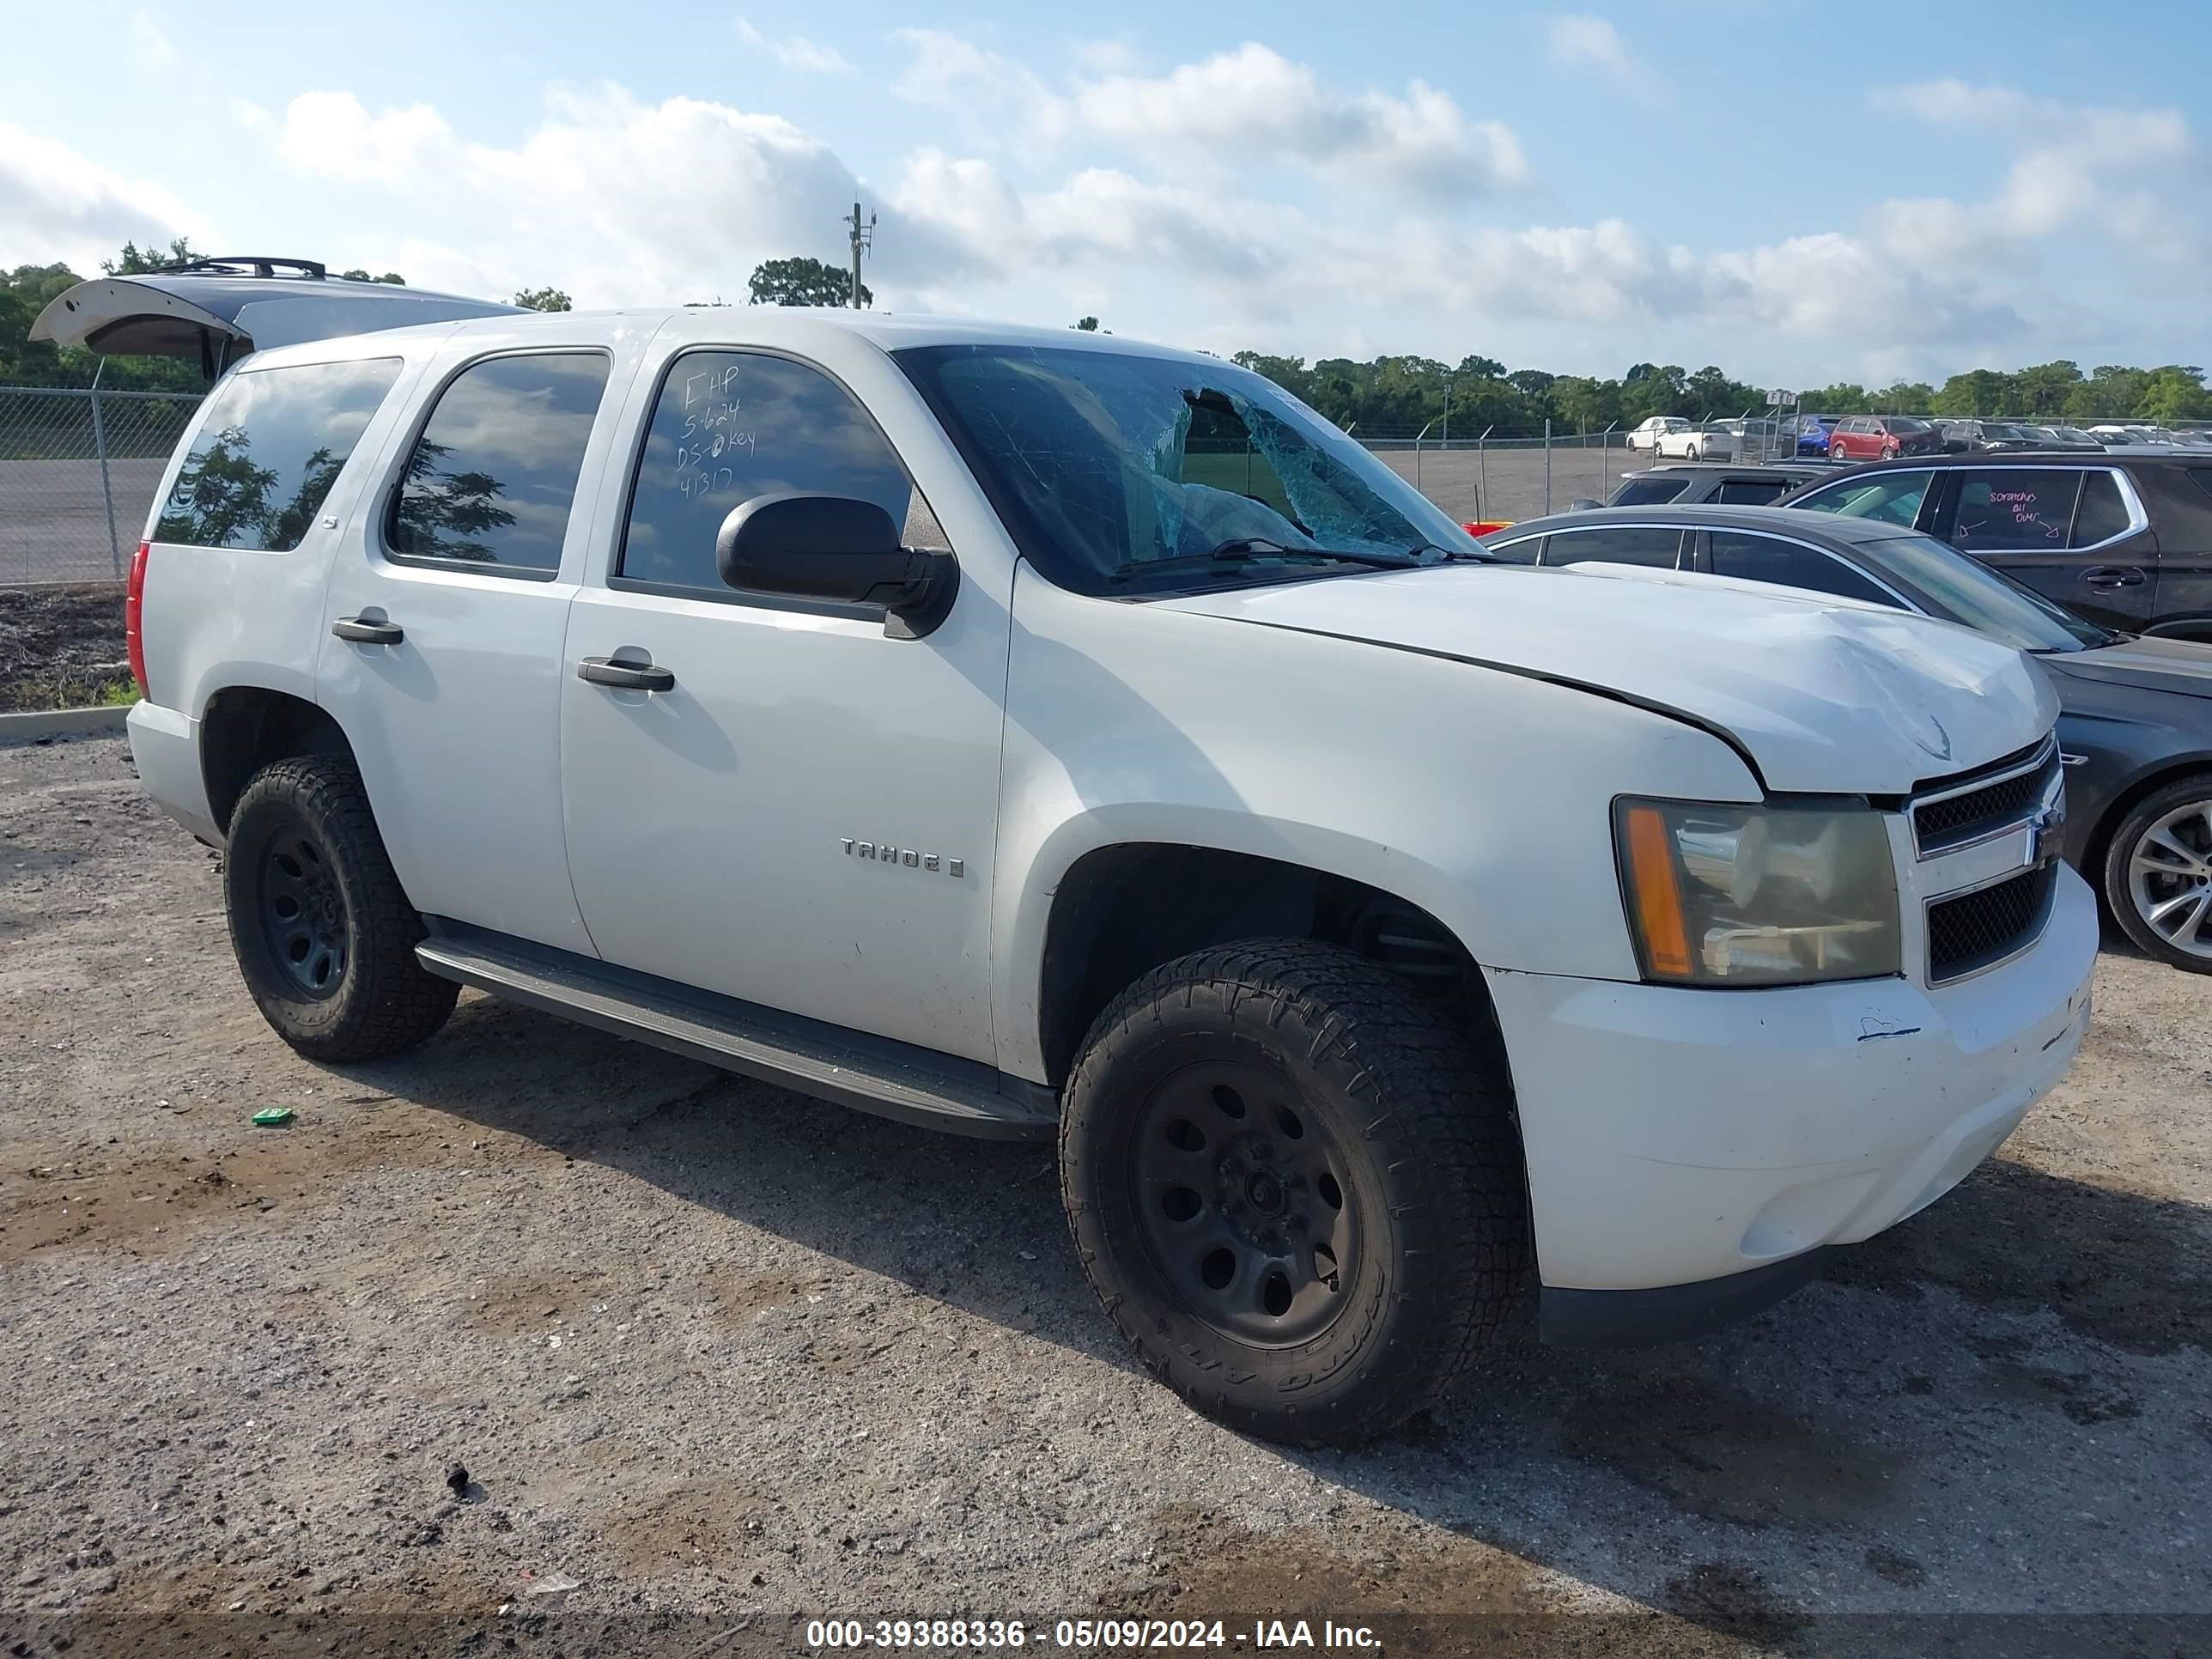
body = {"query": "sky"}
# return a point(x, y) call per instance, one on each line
point(1798, 193)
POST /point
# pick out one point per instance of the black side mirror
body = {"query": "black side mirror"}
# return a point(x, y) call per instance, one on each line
point(1582, 504)
point(802, 545)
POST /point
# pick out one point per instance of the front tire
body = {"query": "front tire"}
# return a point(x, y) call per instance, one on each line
point(2158, 873)
point(1296, 1187)
point(323, 932)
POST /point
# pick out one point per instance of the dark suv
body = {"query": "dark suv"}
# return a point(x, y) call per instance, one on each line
point(1879, 437)
point(2125, 540)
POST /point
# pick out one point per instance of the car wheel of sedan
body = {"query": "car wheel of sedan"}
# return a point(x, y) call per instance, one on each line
point(1296, 1185)
point(2158, 873)
point(1836, 452)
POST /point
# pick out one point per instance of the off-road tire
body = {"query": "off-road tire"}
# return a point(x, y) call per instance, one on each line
point(379, 1001)
point(2120, 855)
point(1420, 1120)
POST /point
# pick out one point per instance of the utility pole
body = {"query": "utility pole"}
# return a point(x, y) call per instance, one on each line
point(863, 238)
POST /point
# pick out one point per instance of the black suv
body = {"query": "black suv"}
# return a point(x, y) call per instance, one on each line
point(2125, 540)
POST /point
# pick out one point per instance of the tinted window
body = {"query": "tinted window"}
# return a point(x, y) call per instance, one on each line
point(2103, 513)
point(1648, 492)
point(733, 425)
point(272, 443)
point(491, 480)
point(1755, 492)
point(2025, 511)
point(1886, 497)
point(1768, 559)
point(1903, 423)
point(1621, 545)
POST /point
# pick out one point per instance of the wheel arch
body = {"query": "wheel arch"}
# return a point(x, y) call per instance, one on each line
point(1122, 908)
point(2144, 783)
point(244, 727)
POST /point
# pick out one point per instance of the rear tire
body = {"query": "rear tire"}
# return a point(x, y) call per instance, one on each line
point(1297, 1188)
point(324, 935)
point(2158, 873)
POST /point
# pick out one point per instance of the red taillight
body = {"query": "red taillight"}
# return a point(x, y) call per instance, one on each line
point(134, 616)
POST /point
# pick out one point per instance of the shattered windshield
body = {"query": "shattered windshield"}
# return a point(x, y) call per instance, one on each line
point(1119, 474)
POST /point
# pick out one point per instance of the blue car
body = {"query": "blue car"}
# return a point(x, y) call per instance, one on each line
point(1813, 432)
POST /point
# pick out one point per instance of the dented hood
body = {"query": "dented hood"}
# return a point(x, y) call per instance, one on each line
point(1823, 695)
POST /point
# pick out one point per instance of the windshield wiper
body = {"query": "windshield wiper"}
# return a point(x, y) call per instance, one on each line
point(1457, 555)
point(1241, 550)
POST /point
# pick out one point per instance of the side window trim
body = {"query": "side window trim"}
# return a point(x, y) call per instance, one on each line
point(2138, 517)
point(426, 408)
point(634, 467)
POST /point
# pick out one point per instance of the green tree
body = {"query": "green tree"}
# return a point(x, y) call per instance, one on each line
point(2175, 393)
point(1084, 324)
point(1902, 398)
point(133, 262)
point(543, 299)
point(2044, 387)
point(1844, 397)
point(441, 515)
point(358, 275)
point(803, 282)
point(1978, 391)
point(219, 494)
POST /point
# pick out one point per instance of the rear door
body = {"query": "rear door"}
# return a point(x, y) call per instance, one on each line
point(2075, 535)
point(445, 619)
point(2179, 501)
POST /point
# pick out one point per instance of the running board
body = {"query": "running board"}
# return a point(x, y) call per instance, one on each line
point(852, 1068)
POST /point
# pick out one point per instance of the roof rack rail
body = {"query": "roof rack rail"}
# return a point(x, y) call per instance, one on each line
point(262, 264)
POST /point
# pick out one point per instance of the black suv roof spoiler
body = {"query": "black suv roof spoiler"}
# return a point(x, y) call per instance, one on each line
point(217, 310)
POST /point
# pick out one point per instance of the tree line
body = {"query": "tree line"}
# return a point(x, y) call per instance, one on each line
point(1390, 397)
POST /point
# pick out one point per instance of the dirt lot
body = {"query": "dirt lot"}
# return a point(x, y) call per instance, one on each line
point(61, 648)
point(728, 1360)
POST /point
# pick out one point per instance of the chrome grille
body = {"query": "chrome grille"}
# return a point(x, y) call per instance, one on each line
point(1977, 930)
point(1953, 816)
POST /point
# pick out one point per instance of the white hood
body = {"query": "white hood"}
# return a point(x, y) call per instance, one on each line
point(1827, 696)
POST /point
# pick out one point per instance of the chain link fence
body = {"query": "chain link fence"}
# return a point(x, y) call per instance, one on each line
point(78, 469)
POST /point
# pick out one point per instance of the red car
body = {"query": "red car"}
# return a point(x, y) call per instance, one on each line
point(1882, 438)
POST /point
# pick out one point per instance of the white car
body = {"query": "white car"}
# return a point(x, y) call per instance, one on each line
point(1647, 434)
point(1017, 734)
point(1709, 440)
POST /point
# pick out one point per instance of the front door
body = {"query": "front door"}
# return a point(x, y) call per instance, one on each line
point(785, 802)
point(2074, 534)
point(446, 615)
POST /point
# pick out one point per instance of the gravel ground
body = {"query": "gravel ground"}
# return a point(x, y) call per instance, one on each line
point(61, 646)
point(727, 1359)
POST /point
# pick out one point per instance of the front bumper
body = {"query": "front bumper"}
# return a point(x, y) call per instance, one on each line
point(1676, 1137)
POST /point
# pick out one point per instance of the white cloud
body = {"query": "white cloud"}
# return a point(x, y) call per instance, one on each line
point(1580, 41)
point(149, 47)
point(796, 51)
point(332, 135)
point(60, 206)
point(2068, 163)
point(996, 100)
point(1253, 103)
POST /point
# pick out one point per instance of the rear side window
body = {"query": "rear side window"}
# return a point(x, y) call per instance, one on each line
point(1621, 545)
point(264, 457)
point(2103, 513)
point(2025, 511)
point(1788, 564)
point(1885, 497)
point(1648, 492)
point(1751, 492)
point(491, 480)
point(733, 425)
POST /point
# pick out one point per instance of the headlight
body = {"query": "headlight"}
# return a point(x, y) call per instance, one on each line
point(1734, 895)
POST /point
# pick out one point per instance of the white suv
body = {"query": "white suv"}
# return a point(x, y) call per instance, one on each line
point(1034, 735)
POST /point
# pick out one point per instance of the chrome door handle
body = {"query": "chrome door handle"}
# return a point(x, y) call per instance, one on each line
point(362, 631)
point(625, 676)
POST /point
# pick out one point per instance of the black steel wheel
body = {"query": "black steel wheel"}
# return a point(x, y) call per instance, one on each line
point(303, 914)
point(323, 932)
point(1296, 1185)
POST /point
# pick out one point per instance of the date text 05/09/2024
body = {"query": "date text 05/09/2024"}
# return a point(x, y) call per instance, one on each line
point(1088, 1635)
